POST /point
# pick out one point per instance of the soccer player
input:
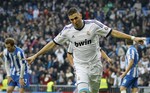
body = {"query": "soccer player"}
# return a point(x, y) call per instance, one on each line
point(82, 33)
point(16, 66)
point(130, 76)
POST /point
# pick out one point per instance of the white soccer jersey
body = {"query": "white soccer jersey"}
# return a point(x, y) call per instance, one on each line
point(70, 48)
point(85, 43)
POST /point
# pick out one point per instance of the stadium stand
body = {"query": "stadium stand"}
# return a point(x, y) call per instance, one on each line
point(33, 23)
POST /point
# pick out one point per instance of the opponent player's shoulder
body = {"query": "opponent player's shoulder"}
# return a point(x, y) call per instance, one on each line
point(132, 47)
point(19, 50)
point(5, 51)
point(131, 50)
point(93, 22)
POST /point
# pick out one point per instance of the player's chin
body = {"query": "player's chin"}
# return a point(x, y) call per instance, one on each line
point(141, 42)
point(76, 26)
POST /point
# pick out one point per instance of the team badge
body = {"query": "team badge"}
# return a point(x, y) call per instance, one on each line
point(106, 28)
point(88, 32)
point(73, 36)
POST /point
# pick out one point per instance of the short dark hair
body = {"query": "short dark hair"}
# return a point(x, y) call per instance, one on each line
point(72, 10)
point(128, 42)
point(10, 41)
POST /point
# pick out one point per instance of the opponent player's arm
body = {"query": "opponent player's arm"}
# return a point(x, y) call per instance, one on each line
point(1, 56)
point(7, 67)
point(129, 66)
point(22, 62)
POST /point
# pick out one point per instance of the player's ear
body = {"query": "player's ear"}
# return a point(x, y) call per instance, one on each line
point(80, 15)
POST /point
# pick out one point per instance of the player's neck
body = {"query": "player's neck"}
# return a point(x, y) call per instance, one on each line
point(13, 49)
point(128, 46)
point(82, 26)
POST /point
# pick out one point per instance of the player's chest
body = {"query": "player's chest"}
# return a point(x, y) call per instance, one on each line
point(12, 57)
point(81, 35)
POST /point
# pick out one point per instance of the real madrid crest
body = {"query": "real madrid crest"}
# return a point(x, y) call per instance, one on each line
point(106, 28)
point(88, 32)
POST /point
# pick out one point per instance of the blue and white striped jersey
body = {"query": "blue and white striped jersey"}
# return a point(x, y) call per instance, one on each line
point(15, 63)
point(132, 53)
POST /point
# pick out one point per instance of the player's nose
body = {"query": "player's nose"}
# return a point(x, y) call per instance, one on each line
point(74, 21)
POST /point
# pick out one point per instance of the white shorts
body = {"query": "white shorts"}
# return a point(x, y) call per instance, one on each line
point(88, 76)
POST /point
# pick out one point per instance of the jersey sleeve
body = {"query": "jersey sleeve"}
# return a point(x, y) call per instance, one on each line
point(22, 61)
point(7, 67)
point(101, 29)
point(70, 48)
point(61, 38)
point(21, 56)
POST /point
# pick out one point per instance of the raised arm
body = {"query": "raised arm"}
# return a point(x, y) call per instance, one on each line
point(119, 34)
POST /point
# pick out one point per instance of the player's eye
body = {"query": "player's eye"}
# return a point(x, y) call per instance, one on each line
point(76, 18)
point(71, 19)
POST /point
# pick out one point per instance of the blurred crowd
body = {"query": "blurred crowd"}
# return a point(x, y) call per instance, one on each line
point(33, 23)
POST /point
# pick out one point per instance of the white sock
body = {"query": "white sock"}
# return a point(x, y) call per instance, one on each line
point(123, 91)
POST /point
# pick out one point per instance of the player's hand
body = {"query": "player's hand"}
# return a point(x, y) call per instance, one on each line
point(110, 61)
point(123, 75)
point(21, 81)
point(1, 54)
point(31, 59)
point(9, 79)
point(139, 39)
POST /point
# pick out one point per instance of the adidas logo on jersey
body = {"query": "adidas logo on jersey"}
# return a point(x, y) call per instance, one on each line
point(82, 43)
point(73, 36)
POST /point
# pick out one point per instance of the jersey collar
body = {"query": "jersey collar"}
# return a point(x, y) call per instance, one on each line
point(14, 50)
point(82, 26)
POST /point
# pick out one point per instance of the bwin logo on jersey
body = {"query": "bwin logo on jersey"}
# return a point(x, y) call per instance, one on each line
point(82, 43)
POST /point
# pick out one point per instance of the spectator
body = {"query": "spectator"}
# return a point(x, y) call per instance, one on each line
point(23, 26)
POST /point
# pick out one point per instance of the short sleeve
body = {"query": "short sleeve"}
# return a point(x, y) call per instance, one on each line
point(70, 48)
point(61, 38)
point(101, 29)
